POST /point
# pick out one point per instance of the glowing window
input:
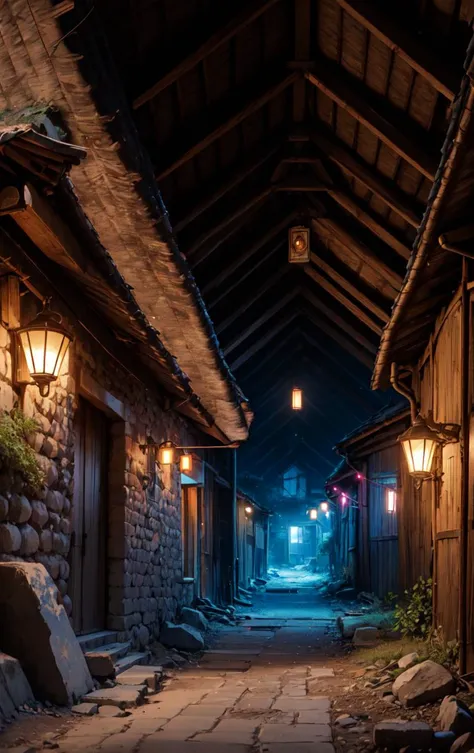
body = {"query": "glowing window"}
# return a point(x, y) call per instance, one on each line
point(296, 535)
point(391, 498)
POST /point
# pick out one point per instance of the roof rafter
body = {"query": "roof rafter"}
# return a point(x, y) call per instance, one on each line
point(343, 299)
point(248, 302)
point(331, 357)
point(242, 108)
point(250, 13)
point(256, 347)
point(268, 236)
point(257, 323)
point(347, 286)
point(389, 193)
point(343, 90)
point(335, 318)
point(407, 46)
point(337, 334)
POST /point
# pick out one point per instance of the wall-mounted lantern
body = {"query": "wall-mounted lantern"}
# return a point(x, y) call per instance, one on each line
point(248, 509)
point(419, 443)
point(324, 507)
point(313, 514)
point(166, 453)
point(391, 501)
point(297, 398)
point(44, 343)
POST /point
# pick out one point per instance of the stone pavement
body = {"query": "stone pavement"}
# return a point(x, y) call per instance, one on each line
point(255, 691)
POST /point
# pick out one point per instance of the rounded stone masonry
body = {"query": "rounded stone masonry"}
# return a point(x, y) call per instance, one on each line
point(29, 540)
point(3, 508)
point(10, 538)
point(20, 509)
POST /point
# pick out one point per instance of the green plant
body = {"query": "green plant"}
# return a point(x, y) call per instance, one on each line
point(390, 599)
point(16, 453)
point(441, 650)
point(413, 616)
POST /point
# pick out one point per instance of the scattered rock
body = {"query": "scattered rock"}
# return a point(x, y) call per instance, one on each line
point(194, 617)
point(443, 740)
point(455, 717)
point(423, 683)
point(182, 637)
point(345, 721)
point(399, 734)
point(407, 661)
point(85, 709)
point(464, 744)
point(365, 635)
point(13, 680)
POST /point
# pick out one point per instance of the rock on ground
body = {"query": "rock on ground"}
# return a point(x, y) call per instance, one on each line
point(423, 683)
point(443, 740)
point(13, 680)
point(400, 734)
point(194, 617)
point(464, 744)
point(365, 635)
point(407, 661)
point(455, 717)
point(46, 646)
point(85, 709)
point(182, 637)
point(123, 696)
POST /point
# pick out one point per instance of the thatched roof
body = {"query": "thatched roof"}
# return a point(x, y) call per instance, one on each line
point(124, 208)
point(39, 155)
point(433, 272)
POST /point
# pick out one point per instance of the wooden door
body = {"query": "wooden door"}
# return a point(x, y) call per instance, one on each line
point(206, 535)
point(189, 527)
point(89, 550)
point(383, 534)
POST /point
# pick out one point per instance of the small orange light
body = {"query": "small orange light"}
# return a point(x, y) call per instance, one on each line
point(166, 453)
point(186, 463)
point(313, 514)
point(249, 510)
point(297, 398)
point(324, 507)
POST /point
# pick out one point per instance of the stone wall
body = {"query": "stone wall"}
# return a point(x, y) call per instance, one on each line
point(144, 546)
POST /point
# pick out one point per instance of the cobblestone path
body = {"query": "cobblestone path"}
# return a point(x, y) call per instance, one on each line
point(255, 691)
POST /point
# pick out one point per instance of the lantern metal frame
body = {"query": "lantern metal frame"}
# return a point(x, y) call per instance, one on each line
point(423, 429)
point(45, 321)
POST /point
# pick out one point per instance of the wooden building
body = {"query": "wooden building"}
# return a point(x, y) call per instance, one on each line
point(373, 516)
point(127, 537)
point(253, 525)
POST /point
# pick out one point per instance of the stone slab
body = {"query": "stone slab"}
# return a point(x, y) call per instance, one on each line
point(300, 733)
point(313, 717)
point(46, 646)
point(123, 696)
point(141, 675)
point(151, 745)
point(319, 747)
point(229, 731)
point(302, 704)
point(85, 709)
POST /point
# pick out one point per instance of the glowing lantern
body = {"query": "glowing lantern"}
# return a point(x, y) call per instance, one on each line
point(249, 510)
point(186, 463)
point(391, 501)
point(419, 443)
point(313, 514)
point(343, 500)
point(166, 453)
point(298, 246)
point(324, 507)
point(297, 398)
point(44, 342)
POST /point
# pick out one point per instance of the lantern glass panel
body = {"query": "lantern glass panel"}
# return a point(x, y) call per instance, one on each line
point(419, 454)
point(166, 455)
point(391, 501)
point(297, 399)
point(313, 514)
point(186, 463)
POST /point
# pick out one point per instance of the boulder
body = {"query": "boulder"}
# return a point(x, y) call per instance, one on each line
point(455, 717)
point(85, 709)
point(20, 509)
point(182, 637)
point(407, 661)
point(14, 683)
point(46, 645)
point(194, 617)
point(365, 635)
point(29, 540)
point(464, 744)
point(423, 683)
point(10, 538)
point(39, 513)
point(397, 733)
point(3, 507)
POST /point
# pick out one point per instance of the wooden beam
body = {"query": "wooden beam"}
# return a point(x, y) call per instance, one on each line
point(327, 228)
point(267, 92)
point(302, 50)
point(349, 161)
point(335, 318)
point(259, 243)
point(240, 310)
point(336, 334)
point(282, 343)
point(300, 183)
point(268, 314)
point(251, 164)
point(242, 208)
point(347, 286)
point(61, 8)
point(435, 68)
point(343, 90)
point(249, 13)
point(343, 300)
point(340, 367)
point(371, 221)
point(256, 347)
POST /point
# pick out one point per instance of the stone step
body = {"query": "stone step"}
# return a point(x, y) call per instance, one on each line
point(101, 661)
point(123, 696)
point(90, 641)
point(131, 660)
point(142, 675)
